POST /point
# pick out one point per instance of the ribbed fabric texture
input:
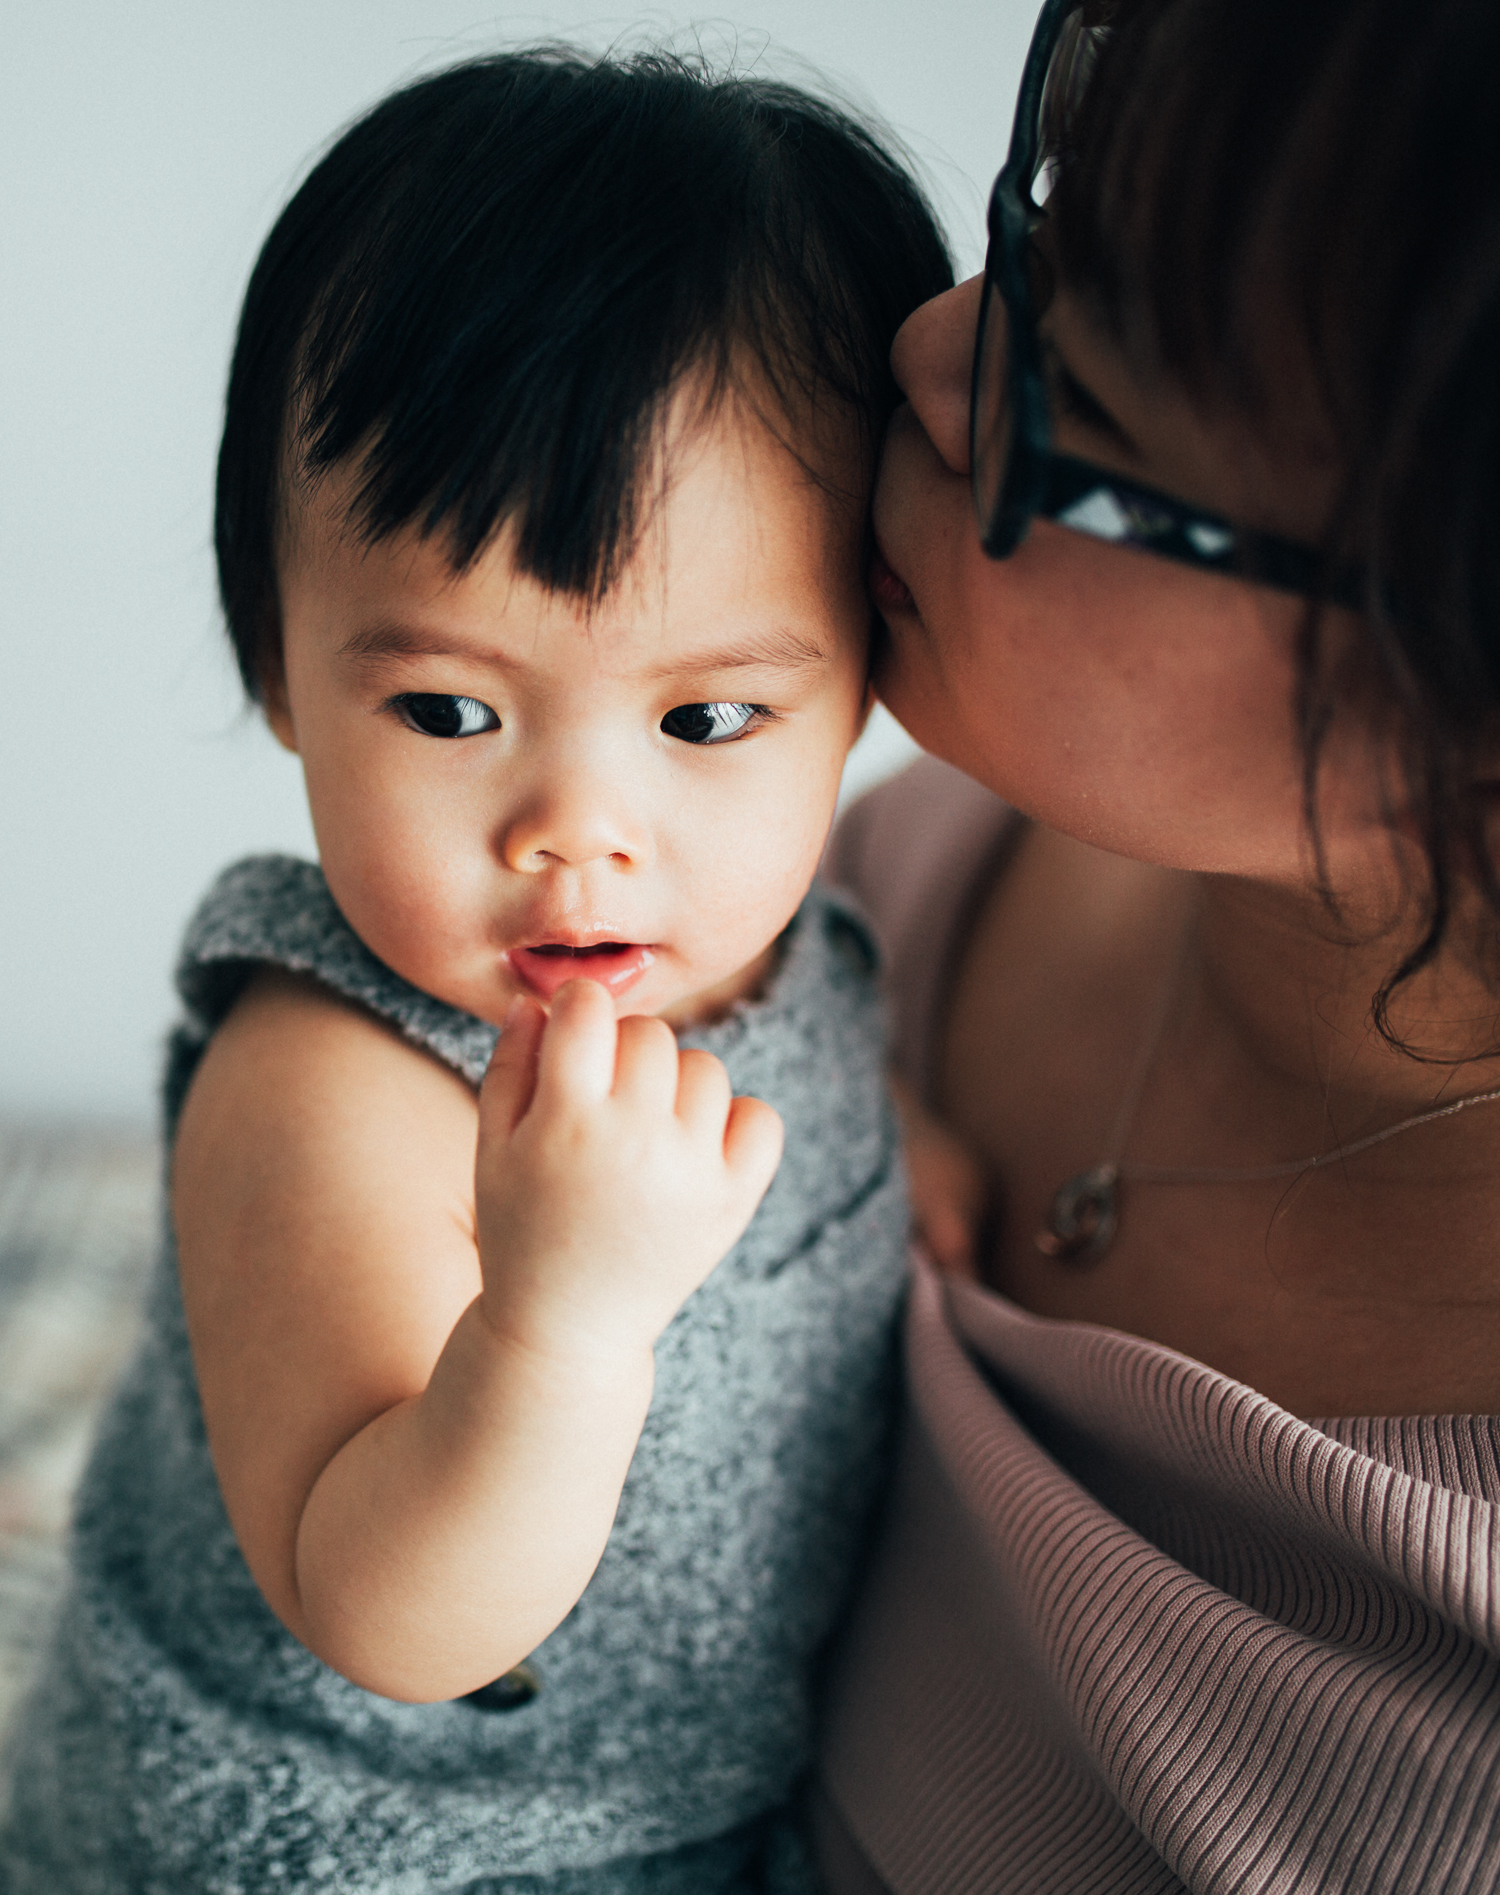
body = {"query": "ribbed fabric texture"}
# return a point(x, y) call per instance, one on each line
point(1134, 1628)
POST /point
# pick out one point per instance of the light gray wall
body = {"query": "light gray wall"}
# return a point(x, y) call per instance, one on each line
point(146, 149)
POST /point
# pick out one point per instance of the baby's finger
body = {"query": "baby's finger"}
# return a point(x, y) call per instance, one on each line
point(646, 1062)
point(577, 1057)
point(511, 1079)
point(753, 1137)
point(702, 1091)
point(949, 1238)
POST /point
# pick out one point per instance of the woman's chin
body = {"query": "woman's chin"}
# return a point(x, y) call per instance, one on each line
point(912, 697)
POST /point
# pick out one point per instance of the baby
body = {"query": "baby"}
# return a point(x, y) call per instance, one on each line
point(498, 1457)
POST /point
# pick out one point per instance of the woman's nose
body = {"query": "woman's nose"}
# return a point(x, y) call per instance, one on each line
point(933, 360)
point(574, 823)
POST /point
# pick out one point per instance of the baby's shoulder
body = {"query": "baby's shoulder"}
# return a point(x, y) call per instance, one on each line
point(276, 912)
point(302, 1059)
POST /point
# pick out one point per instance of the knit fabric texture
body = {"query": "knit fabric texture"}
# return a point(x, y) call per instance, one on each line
point(180, 1739)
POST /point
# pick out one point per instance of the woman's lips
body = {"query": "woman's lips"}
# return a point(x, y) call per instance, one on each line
point(616, 965)
point(889, 590)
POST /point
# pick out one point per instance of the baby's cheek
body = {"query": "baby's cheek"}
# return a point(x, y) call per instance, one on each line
point(412, 905)
point(762, 887)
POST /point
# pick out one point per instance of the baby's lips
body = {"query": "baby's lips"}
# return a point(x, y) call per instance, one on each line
point(616, 965)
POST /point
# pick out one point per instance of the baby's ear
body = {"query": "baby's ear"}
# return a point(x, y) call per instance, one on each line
point(273, 698)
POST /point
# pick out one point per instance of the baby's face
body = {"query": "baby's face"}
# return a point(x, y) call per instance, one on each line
point(510, 791)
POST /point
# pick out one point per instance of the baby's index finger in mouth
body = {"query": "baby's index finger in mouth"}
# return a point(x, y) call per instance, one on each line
point(578, 1045)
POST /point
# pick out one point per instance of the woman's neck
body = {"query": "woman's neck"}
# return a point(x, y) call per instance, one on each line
point(1370, 1286)
point(1281, 992)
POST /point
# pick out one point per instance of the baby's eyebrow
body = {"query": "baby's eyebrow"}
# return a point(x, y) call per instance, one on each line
point(403, 641)
point(787, 650)
point(781, 650)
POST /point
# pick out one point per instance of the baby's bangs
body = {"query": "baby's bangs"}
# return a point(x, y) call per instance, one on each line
point(555, 247)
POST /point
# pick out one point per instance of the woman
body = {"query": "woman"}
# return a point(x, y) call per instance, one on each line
point(1203, 580)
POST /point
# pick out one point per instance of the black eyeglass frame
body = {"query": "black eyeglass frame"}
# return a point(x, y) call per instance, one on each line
point(1039, 483)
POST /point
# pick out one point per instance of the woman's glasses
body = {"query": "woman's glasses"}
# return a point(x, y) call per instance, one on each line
point(1017, 476)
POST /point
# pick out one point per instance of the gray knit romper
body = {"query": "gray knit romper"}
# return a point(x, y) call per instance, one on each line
point(181, 1741)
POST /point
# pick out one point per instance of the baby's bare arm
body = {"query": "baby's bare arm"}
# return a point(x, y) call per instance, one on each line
point(422, 1453)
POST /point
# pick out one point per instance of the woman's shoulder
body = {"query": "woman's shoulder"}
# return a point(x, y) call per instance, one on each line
point(925, 826)
point(914, 852)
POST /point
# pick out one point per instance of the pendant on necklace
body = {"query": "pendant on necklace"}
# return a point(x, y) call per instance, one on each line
point(1081, 1223)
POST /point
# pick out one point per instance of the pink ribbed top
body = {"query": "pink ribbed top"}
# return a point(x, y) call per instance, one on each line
point(1130, 1626)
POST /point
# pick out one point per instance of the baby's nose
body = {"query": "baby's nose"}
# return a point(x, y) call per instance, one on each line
point(572, 825)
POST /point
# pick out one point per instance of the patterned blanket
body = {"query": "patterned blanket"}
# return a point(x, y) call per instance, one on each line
point(78, 1218)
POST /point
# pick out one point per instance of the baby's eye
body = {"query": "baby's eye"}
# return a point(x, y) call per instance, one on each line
point(436, 714)
point(709, 723)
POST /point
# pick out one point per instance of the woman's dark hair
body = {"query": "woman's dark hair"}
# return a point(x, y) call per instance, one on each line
point(1337, 161)
point(487, 289)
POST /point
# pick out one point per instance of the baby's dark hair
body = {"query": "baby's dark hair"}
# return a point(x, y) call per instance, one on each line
point(485, 293)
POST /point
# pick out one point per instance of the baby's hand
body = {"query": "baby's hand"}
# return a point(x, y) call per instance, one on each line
point(947, 1186)
point(613, 1172)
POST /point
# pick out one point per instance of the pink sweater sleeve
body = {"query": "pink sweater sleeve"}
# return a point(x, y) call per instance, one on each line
point(914, 851)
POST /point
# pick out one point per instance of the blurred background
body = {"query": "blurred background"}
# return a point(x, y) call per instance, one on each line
point(147, 150)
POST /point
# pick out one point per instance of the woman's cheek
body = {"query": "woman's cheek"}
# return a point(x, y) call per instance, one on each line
point(921, 509)
point(924, 522)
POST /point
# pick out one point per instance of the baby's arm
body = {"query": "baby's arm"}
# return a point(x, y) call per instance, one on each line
point(421, 1418)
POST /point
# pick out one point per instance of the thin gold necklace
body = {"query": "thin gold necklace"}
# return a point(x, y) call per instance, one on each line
point(1085, 1211)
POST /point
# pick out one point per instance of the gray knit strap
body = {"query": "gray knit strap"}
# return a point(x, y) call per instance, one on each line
point(274, 910)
